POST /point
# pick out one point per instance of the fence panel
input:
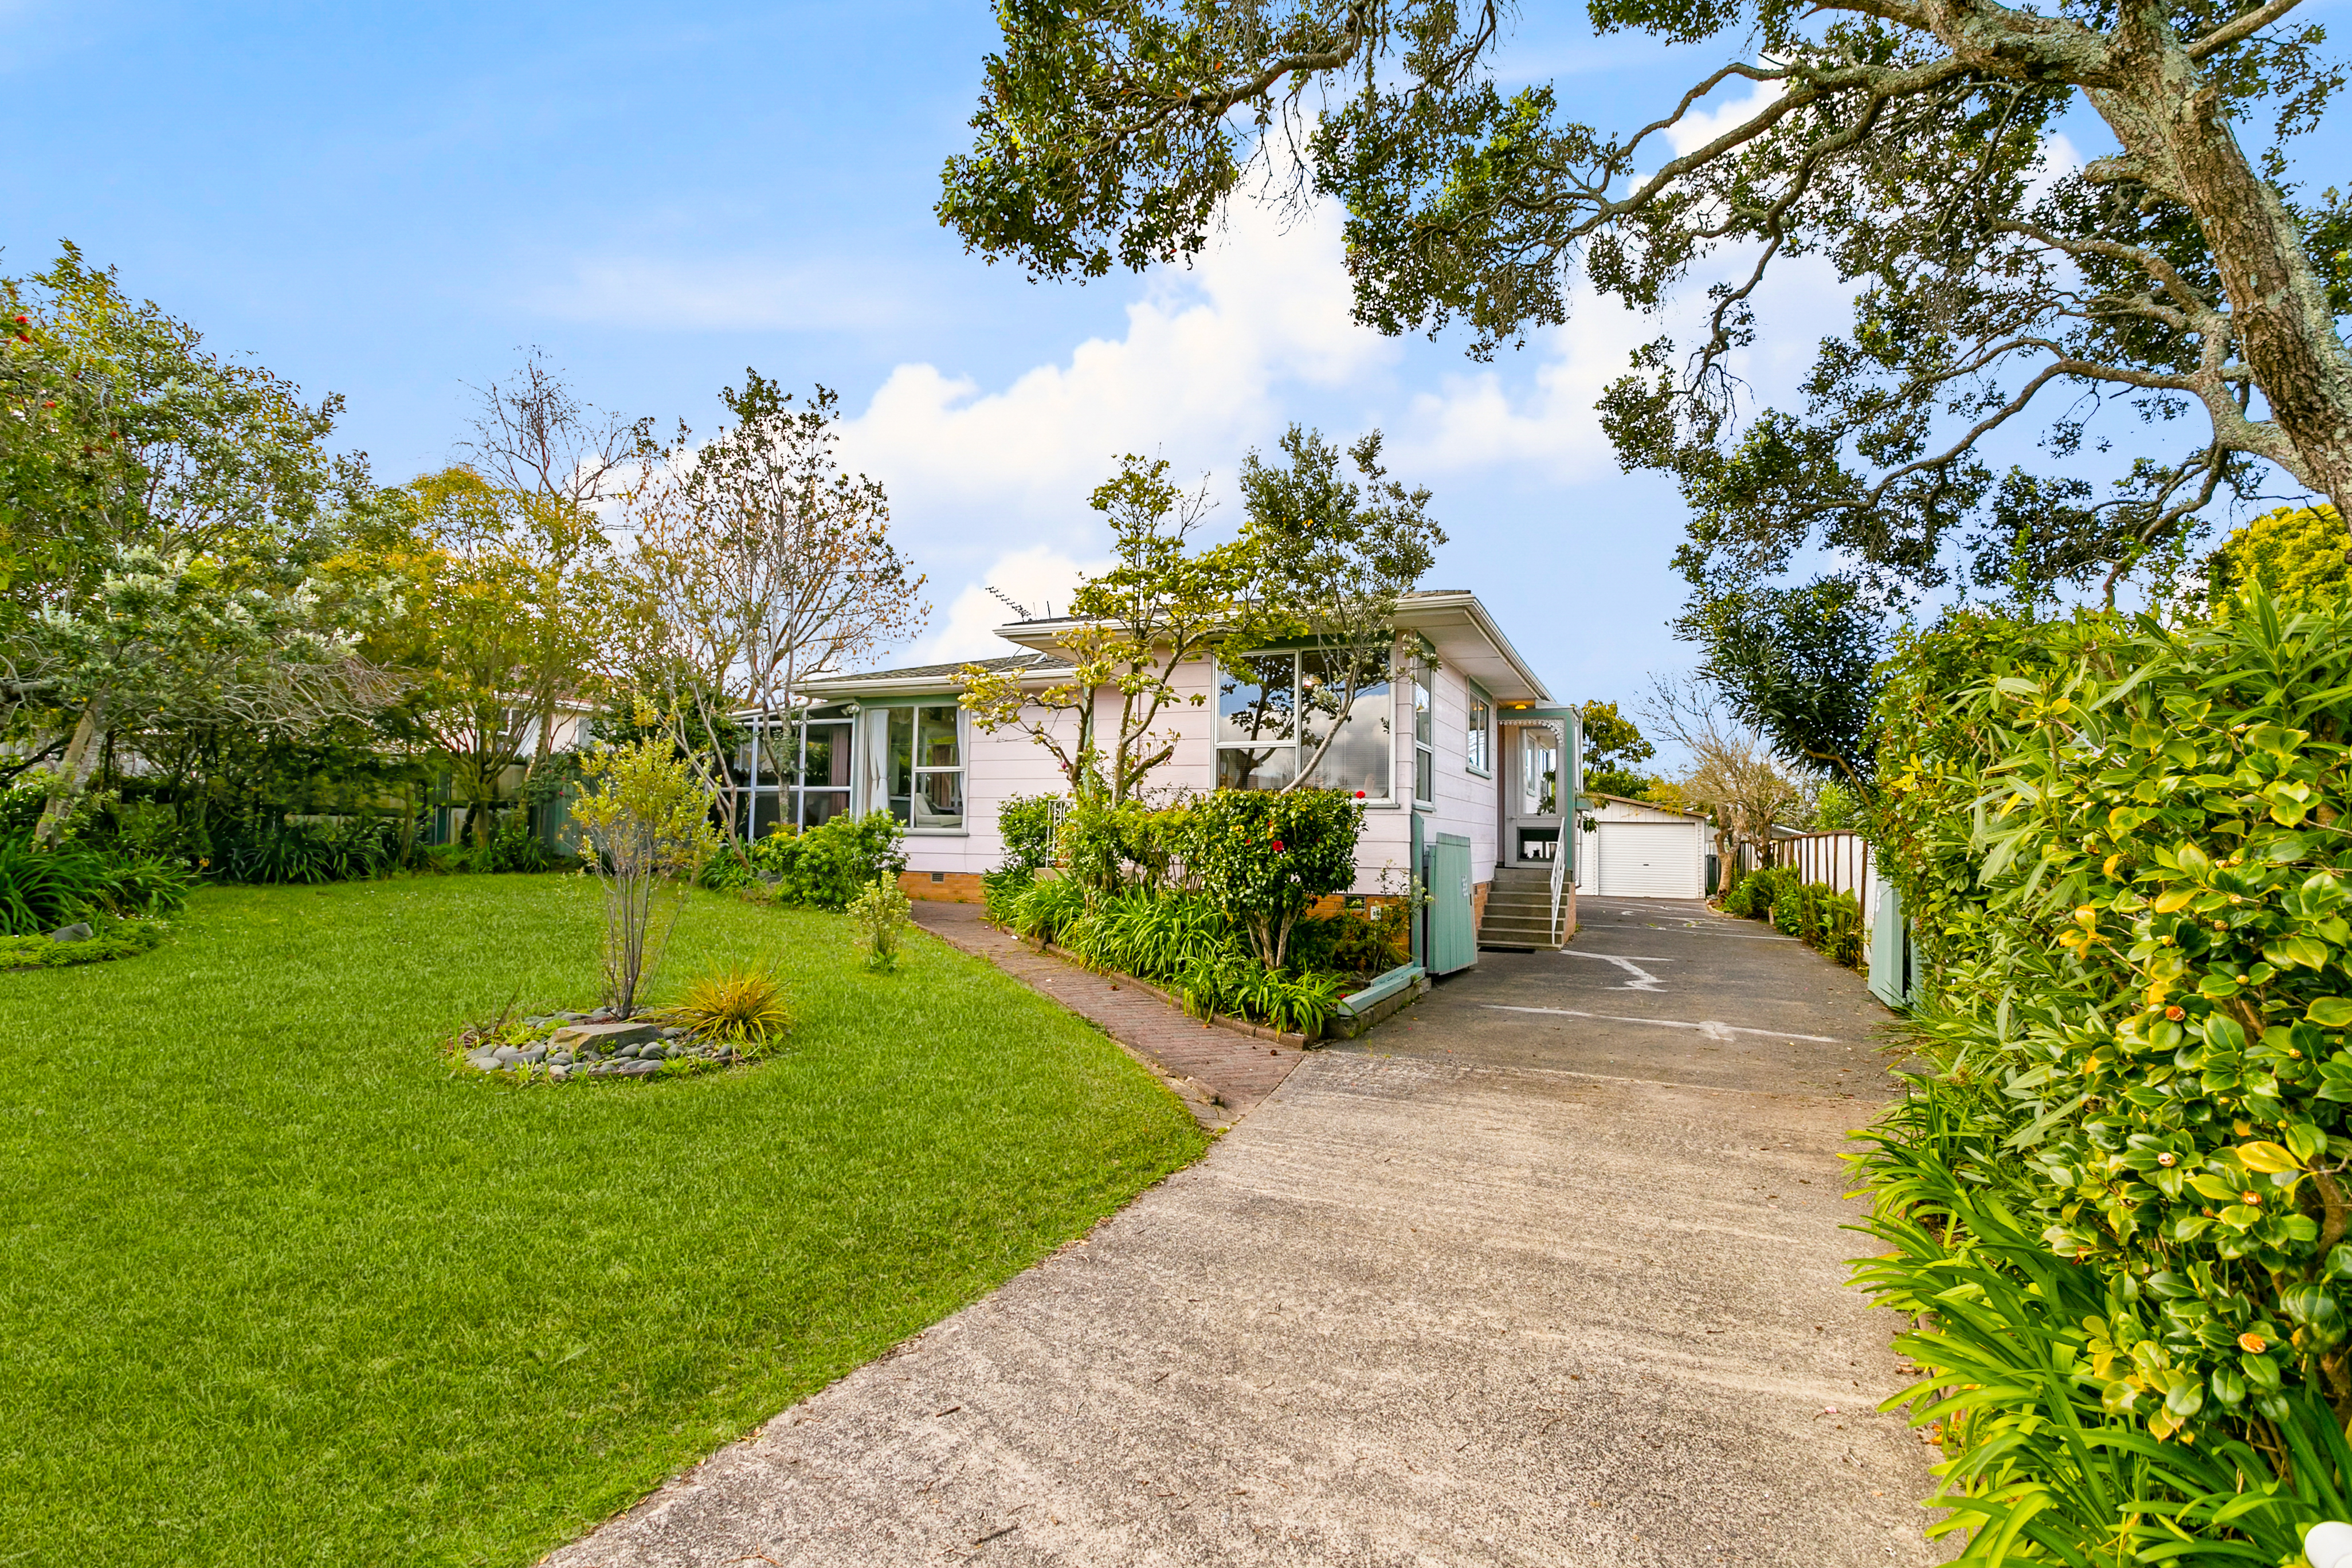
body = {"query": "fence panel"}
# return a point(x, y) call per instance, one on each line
point(1841, 859)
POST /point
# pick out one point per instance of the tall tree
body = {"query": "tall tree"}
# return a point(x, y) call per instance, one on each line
point(1165, 602)
point(492, 630)
point(1908, 141)
point(119, 431)
point(174, 643)
point(1800, 665)
point(764, 564)
point(1613, 746)
point(1332, 558)
point(534, 437)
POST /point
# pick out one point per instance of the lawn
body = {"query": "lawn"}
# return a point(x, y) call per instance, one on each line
point(277, 1285)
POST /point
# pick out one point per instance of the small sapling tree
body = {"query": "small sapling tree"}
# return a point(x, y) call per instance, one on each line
point(1162, 603)
point(648, 824)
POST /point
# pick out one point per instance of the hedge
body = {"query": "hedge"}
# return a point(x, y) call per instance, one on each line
point(2116, 1196)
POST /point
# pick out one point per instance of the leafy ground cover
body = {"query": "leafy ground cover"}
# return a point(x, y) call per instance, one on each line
point(277, 1286)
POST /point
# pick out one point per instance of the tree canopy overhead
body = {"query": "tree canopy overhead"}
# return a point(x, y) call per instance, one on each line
point(1999, 293)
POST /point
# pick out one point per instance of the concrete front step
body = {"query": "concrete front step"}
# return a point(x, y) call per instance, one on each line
point(1519, 935)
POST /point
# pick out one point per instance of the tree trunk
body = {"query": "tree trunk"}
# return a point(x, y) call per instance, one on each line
point(71, 771)
point(2286, 333)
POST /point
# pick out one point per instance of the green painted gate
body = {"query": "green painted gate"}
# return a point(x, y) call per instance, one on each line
point(1452, 933)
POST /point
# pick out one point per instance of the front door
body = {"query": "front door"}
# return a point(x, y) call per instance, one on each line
point(1532, 796)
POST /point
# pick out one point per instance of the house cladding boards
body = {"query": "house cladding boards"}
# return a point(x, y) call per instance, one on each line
point(1472, 661)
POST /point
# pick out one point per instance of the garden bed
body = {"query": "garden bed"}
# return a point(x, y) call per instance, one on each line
point(556, 1048)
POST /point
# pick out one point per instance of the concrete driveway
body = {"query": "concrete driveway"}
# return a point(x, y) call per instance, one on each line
point(1548, 1271)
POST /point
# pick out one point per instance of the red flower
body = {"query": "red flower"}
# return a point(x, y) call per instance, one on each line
point(1278, 846)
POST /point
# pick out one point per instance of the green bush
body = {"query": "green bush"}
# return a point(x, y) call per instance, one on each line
point(1264, 858)
point(1816, 913)
point(1363, 943)
point(41, 889)
point(1181, 940)
point(726, 872)
point(1001, 890)
point(831, 864)
point(269, 850)
point(2120, 840)
point(1041, 910)
point(879, 913)
point(1027, 822)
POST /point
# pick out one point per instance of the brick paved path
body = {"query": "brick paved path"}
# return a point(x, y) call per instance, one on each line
point(1220, 1074)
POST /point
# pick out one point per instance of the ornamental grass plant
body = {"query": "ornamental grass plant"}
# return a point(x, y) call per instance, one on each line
point(740, 1005)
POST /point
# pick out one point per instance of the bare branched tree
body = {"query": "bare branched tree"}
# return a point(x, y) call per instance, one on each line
point(763, 566)
point(1733, 775)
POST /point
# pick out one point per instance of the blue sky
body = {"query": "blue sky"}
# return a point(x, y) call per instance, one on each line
point(392, 203)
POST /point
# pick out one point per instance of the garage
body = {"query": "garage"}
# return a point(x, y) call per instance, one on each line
point(1636, 850)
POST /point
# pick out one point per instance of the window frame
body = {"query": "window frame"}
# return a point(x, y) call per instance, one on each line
point(1483, 707)
point(1298, 743)
point(1424, 735)
point(917, 771)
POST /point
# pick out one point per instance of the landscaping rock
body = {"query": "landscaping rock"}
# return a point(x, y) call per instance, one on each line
point(602, 1033)
point(653, 1051)
point(558, 1073)
point(535, 1055)
point(638, 1069)
point(673, 1033)
point(78, 932)
point(561, 1058)
point(507, 1055)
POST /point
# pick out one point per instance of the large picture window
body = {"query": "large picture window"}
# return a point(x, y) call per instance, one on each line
point(813, 785)
point(926, 759)
point(1276, 709)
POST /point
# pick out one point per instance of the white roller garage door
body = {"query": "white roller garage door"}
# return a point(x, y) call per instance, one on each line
point(1651, 859)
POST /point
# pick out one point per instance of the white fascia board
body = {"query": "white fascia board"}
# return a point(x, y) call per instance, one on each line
point(1460, 625)
point(1468, 640)
point(834, 689)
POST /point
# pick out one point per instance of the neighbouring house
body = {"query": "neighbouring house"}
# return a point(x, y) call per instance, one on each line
point(1468, 757)
point(447, 814)
point(1640, 849)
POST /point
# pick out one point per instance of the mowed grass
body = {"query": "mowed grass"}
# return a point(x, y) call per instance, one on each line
point(276, 1287)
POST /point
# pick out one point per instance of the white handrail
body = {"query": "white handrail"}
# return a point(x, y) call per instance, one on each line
point(1564, 796)
point(1560, 854)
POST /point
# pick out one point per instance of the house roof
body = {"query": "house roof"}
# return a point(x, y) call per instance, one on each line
point(1648, 805)
point(920, 678)
point(1456, 624)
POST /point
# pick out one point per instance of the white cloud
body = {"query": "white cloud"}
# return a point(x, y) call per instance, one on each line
point(1543, 420)
point(1040, 579)
point(1477, 421)
point(990, 484)
point(1702, 125)
point(1198, 378)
